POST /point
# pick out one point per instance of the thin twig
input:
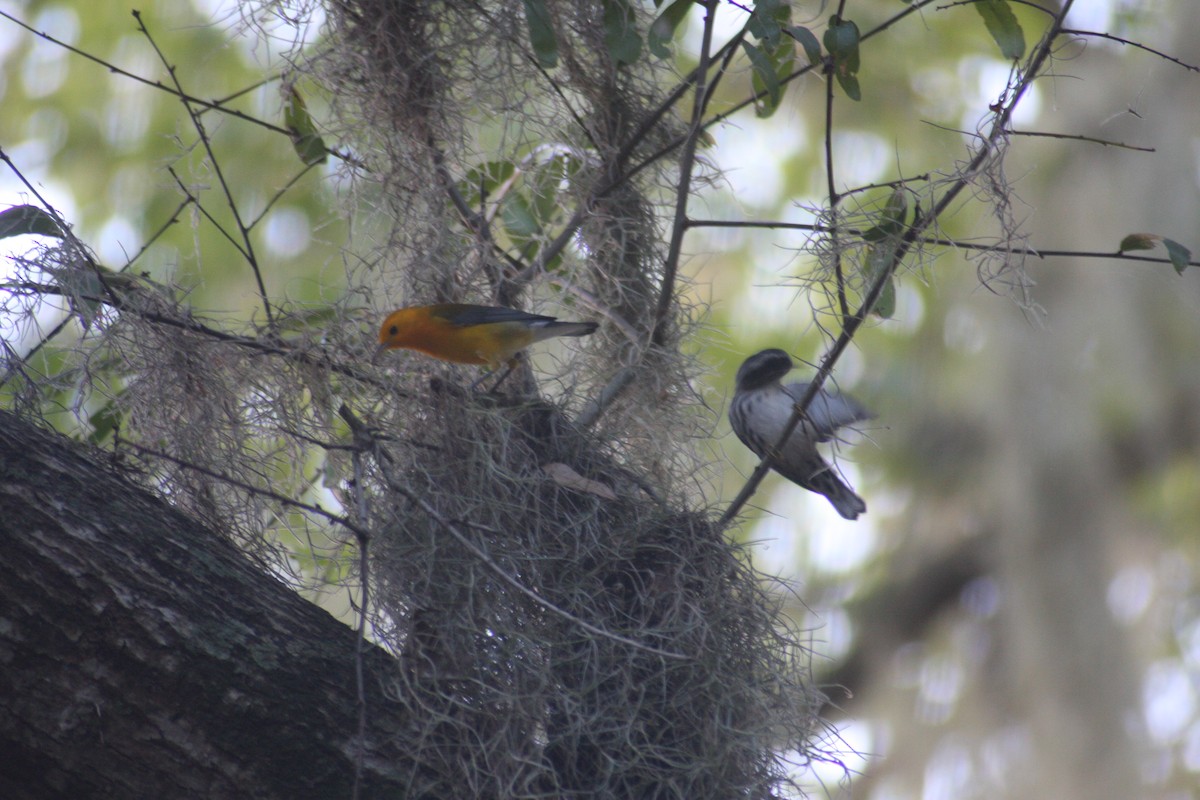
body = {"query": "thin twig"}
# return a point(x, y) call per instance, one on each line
point(364, 565)
point(635, 139)
point(81, 249)
point(835, 197)
point(275, 198)
point(322, 360)
point(611, 391)
point(593, 302)
point(998, 131)
point(624, 377)
point(683, 189)
point(802, 71)
point(172, 219)
point(248, 247)
point(1138, 45)
point(311, 508)
point(1081, 138)
point(15, 362)
point(208, 105)
point(193, 199)
point(938, 241)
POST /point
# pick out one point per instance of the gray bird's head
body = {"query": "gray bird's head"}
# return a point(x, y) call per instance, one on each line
point(762, 369)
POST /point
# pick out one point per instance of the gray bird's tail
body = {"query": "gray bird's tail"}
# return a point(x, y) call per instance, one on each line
point(827, 482)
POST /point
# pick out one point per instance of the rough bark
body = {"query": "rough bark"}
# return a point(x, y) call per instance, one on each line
point(142, 655)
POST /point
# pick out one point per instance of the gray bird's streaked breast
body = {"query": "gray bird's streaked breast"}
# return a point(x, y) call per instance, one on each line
point(759, 417)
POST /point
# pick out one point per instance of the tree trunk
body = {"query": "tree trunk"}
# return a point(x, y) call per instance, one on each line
point(145, 656)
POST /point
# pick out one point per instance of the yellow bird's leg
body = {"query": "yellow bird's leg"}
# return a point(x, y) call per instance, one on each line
point(512, 364)
point(475, 383)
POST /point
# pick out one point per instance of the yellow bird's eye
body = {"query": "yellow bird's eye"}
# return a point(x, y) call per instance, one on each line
point(392, 331)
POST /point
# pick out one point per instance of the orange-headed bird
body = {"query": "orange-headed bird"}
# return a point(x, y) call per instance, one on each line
point(469, 334)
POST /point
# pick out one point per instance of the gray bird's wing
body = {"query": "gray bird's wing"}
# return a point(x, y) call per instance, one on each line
point(829, 410)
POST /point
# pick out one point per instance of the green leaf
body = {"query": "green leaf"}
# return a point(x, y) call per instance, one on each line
point(484, 179)
point(895, 211)
point(892, 218)
point(841, 40)
point(764, 22)
point(663, 29)
point(520, 219)
point(773, 58)
point(1138, 241)
point(86, 284)
point(879, 258)
point(305, 139)
point(765, 79)
point(885, 306)
point(20, 220)
point(620, 35)
point(555, 264)
point(544, 184)
point(125, 284)
point(1180, 256)
point(807, 40)
point(885, 235)
point(849, 84)
point(541, 33)
point(1003, 26)
point(104, 421)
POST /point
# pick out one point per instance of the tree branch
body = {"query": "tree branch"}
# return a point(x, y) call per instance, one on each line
point(146, 657)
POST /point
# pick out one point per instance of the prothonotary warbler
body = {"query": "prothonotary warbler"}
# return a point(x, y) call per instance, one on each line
point(469, 334)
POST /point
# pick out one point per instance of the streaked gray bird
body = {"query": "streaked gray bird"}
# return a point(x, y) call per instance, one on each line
point(761, 408)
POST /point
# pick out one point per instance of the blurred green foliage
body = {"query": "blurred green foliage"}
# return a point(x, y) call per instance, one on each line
point(103, 146)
